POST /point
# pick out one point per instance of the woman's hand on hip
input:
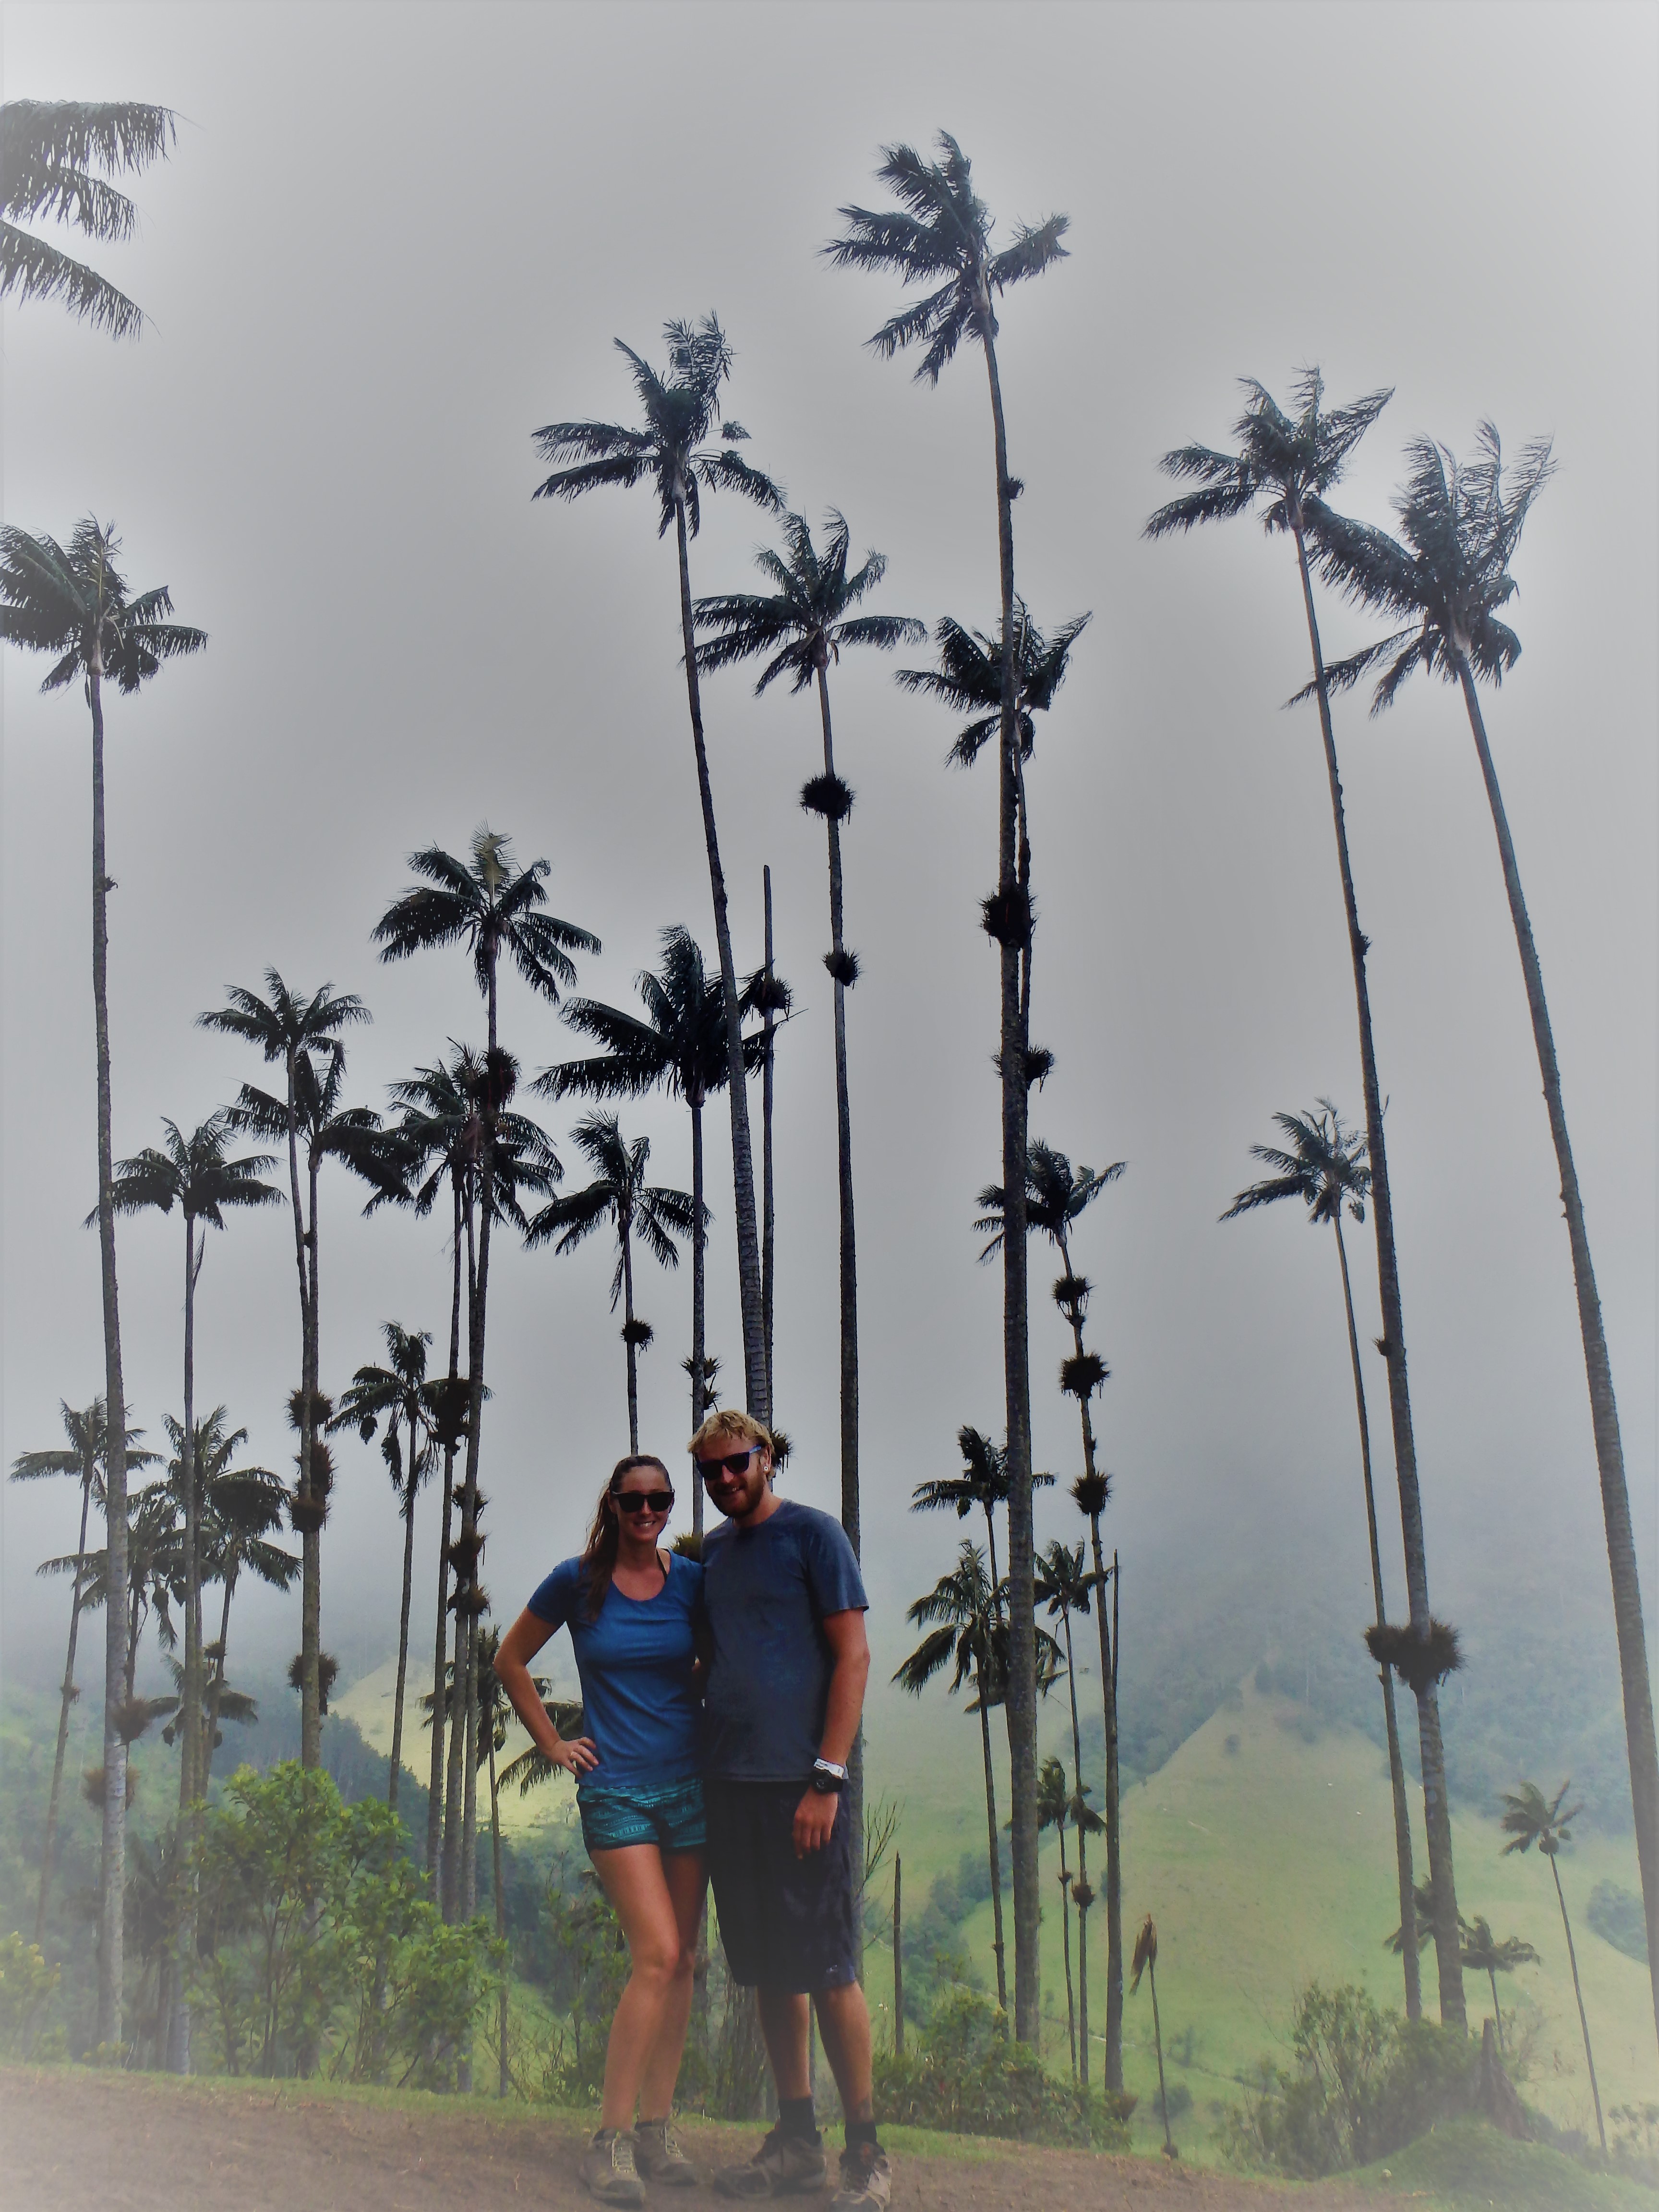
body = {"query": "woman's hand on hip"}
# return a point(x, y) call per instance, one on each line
point(578, 1757)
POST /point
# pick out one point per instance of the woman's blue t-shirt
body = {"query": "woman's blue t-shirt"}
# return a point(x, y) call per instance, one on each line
point(638, 1703)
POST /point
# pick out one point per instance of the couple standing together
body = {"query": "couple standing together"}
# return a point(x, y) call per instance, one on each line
point(721, 1700)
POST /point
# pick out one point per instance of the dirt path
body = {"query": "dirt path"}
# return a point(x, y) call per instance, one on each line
point(70, 2138)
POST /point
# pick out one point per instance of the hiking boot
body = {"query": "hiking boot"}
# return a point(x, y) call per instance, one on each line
point(657, 2156)
point(783, 2167)
point(866, 2179)
point(607, 2168)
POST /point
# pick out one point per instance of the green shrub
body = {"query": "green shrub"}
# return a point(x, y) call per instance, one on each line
point(28, 1985)
point(1363, 2083)
point(966, 2077)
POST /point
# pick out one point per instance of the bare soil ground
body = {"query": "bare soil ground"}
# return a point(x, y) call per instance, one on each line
point(70, 2138)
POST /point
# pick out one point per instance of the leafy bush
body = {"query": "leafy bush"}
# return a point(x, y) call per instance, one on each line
point(1363, 2083)
point(317, 1952)
point(28, 1985)
point(969, 2078)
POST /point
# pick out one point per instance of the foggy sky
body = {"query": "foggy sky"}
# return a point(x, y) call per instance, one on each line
point(394, 240)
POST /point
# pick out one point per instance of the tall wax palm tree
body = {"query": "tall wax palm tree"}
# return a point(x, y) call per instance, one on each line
point(1066, 1587)
point(1483, 1953)
point(1054, 1811)
point(242, 1508)
point(680, 1046)
point(1057, 1196)
point(941, 236)
point(1145, 1962)
point(1322, 1166)
point(85, 1460)
point(1460, 524)
point(673, 453)
point(959, 1613)
point(296, 1030)
point(1285, 466)
point(618, 1195)
point(490, 905)
point(73, 602)
point(439, 1131)
point(51, 152)
point(197, 1174)
point(314, 1118)
point(399, 1394)
point(801, 625)
point(1530, 1818)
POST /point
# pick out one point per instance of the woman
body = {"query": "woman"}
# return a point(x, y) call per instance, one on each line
point(630, 1609)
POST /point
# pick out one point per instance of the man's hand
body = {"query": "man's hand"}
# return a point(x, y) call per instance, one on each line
point(815, 1821)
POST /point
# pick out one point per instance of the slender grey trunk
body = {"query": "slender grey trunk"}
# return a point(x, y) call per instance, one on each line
point(113, 1857)
point(48, 1845)
point(1402, 1819)
point(434, 1803)
point(210, 1724)
point(743, 1158)
point(1157, 2037)
point(190, 1704)
point(1082, 1895)
point(699, 1249)
point(1066, 1948)
point(768, 1189)
point(1598, 1368)
point(470, 1536)
point(629, 1345)
point(1447, 1941)
point(1016, 1346)
point(457, 1686)
point(505, 2084)
point(469, 1828)
point(1583, 2023)
point(996, 1855)
point(311, 1540)
point(407, 1485)
point(898, 1956)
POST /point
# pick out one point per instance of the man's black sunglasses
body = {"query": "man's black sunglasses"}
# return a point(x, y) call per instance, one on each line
point(643, 1501)
point(734, 1463)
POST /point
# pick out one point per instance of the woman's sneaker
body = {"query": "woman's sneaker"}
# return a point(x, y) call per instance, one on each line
point(783, 2165)
point(608, 2171)
point(657, 2156)
point(866, 2179)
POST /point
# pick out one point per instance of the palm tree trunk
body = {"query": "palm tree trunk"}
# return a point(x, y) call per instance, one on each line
point(996, 1855)
point(1604, 1411)
point(500, 1900)
point(1157, 2037)
point(850, 1516)
point(189, 1703)
point(470, 1824)
point(468, 1862)
point(68, 1700)
point(769, 1190)
point(699, 1320)
point(898, 1956)
point(1082, 1891)
point(1402, 1819)
point(1497, 2016)
point(628, 1343)
point(113, 1857)
point(1066, 1946)
point(211, 1725)
point(1436, 1811)
point(1573, 1961)
point(1016, 1346)
point(435, 1802)
point(456, 1688)
point(402, 1631)
point(311, 1540)
point(742, 1157)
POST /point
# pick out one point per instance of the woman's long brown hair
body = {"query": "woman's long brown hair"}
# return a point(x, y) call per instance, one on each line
point(598, 1561)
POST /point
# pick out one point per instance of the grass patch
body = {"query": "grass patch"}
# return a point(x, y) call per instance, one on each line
point(1466, 2168)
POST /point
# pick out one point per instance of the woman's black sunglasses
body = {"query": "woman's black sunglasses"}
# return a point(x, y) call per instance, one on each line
point(643, 1501)
point(734, 1463)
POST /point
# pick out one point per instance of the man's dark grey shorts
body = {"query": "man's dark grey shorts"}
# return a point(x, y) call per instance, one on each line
point(786, 1922)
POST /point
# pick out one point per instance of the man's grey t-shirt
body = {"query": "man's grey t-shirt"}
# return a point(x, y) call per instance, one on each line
point(766, 1590)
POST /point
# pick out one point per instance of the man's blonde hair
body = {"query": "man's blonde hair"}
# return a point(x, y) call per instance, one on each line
point(727, 1424)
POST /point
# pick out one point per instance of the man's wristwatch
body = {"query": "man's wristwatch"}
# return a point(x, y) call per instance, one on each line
point(828, 1779)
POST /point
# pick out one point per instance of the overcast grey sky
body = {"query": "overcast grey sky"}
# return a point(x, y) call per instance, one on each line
point(392, 241)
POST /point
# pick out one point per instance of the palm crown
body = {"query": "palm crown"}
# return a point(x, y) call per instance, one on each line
point(1460, 523)
point(84, 1426)
point(73, 601)
point(670, 449)
point(1056, 1193)
point(941, 229)
point(351, 1134)
point(488, 904)
point(805, 622)
point(195, 1173)
point(959, 1615)
point(680, 1043)
point(1324, 1167)
point(398, 1392)
point(48, 150)
point(968, 678)
point(618, 1193)
point(1283, 463)
point(286, 1024)
point(1530, 1818)
point(439, 1133)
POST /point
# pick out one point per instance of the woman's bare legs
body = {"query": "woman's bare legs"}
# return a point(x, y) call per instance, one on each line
point(658, 1897)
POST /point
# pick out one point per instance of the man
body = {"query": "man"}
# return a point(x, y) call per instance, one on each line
point(785, 1689)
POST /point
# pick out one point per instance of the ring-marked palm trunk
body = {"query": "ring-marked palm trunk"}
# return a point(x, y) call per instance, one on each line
point(1598, 1368)
point(49, 1843)
point(434, 1809)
